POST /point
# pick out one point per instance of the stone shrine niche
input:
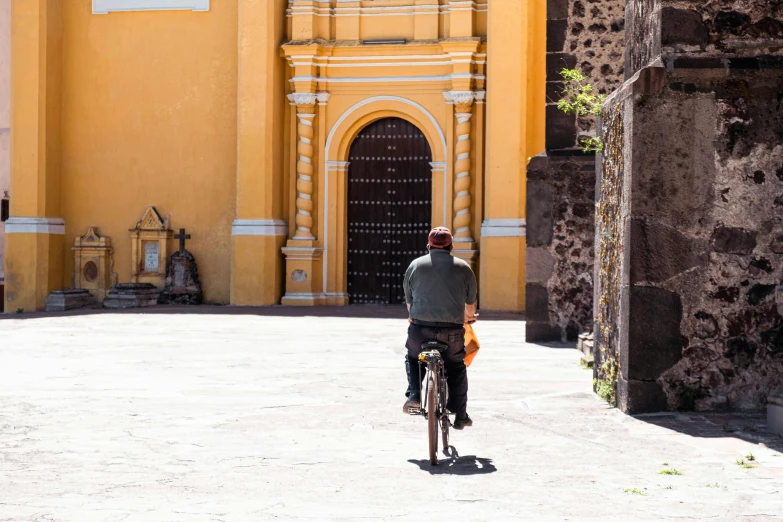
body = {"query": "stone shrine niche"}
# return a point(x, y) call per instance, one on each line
point(149, 248)
point(93, 263)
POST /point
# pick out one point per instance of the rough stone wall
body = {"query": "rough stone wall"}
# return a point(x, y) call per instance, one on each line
point(584, 34)
point(732, 248)
point(700, 326)
point(560, 246)
point(667, 29)
point(588, 35)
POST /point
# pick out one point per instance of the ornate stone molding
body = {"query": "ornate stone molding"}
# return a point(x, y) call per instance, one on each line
point(305, 132)
point(463, 100)
point(304, 101)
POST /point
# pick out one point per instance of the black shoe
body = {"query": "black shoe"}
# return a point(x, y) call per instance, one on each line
point(461, 422)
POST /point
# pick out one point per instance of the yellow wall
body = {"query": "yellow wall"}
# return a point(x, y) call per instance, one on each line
point(150, 118)
point(188, 112)
point(5, 116)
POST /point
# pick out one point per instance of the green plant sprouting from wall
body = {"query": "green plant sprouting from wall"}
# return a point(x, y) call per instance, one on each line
point(606, 386)
point(579, 98)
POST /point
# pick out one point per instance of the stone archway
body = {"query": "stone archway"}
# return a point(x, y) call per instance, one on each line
point(335, 200)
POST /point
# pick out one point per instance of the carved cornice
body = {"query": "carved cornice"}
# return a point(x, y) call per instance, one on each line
point(304, 101)
point(463, 100)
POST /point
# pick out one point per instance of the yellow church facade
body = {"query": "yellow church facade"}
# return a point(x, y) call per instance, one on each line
point(278, 133)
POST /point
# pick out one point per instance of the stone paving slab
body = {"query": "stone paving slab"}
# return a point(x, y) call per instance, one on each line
point(243, 416)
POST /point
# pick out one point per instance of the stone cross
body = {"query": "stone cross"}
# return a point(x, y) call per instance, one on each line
point(182, 236)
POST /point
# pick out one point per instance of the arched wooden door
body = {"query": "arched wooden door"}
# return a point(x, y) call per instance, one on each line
point(389, 209)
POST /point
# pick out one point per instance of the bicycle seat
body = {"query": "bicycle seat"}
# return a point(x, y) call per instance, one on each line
point(434, 345)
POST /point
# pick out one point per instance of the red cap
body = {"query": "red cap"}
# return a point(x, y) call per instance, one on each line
point(440, 237)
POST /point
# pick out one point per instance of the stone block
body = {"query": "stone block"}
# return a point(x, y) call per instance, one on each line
point(659, 252)
point(731, 240)
point(560, 129)
point(775, 413)
point(556, 9)
point(73, 298)
point(635, 397)
point(556, 33)
point(536, 303)
point(554, 91)
point(540, 197)
point(683, 27)
point(540, 265)
point(556, 62)
point(537, 332)
point(654, 339)
point(132, 295)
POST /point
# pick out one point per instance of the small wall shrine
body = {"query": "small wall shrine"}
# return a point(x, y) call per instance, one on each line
point(93, 264)
point(149, 248)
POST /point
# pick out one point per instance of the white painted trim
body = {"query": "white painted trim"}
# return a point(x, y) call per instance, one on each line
point(504, 228)
point(337, 165)
point(108, 6)
point(389, 79)
point(332, 132)
point(317, 10)
point(35, 225)
point(259, 227)
point(303, 296)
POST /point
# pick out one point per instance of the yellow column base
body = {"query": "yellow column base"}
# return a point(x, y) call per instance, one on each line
point(303, 274)
point(257, 269)
point(502, 275)
point(33, 266)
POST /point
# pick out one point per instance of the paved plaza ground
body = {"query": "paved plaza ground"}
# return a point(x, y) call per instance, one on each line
point(234, 415)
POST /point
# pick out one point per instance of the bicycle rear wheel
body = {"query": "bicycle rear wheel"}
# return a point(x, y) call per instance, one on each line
point(432, 416)
point(444, 417)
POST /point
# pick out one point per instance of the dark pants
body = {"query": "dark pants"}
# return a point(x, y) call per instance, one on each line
point(453, 358)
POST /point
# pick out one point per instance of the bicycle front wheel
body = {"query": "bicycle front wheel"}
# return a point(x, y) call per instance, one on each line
point(432, 416)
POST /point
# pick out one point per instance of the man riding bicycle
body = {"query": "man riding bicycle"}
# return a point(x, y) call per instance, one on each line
point(440, 291)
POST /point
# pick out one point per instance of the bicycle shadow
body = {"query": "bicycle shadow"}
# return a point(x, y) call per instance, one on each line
point(454, 464)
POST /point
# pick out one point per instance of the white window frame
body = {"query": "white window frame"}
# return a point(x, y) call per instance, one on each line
point(108, 6)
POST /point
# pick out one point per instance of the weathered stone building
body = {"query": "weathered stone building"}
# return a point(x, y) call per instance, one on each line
point(689, 240)
point(589, 36)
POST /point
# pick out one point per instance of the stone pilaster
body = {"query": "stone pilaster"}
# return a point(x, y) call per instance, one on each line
point(260, 229)
point(464, 245)
point(35, 232)
point(304, 256)
point(305, 134)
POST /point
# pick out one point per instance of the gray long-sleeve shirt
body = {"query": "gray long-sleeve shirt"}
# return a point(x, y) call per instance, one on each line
point(438, 286)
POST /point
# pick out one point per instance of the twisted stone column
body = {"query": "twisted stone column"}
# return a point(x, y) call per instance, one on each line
point(305, 112)
point(463, 102)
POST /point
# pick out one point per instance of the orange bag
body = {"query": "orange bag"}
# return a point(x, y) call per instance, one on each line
point(471, 344)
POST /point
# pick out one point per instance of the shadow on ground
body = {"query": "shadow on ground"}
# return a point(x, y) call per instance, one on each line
point(747, 426)
point(352, 311)
point(454, 464)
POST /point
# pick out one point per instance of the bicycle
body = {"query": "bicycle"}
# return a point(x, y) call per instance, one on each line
point(436, 396)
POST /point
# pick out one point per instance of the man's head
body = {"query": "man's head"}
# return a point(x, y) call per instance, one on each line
point(440, 238)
